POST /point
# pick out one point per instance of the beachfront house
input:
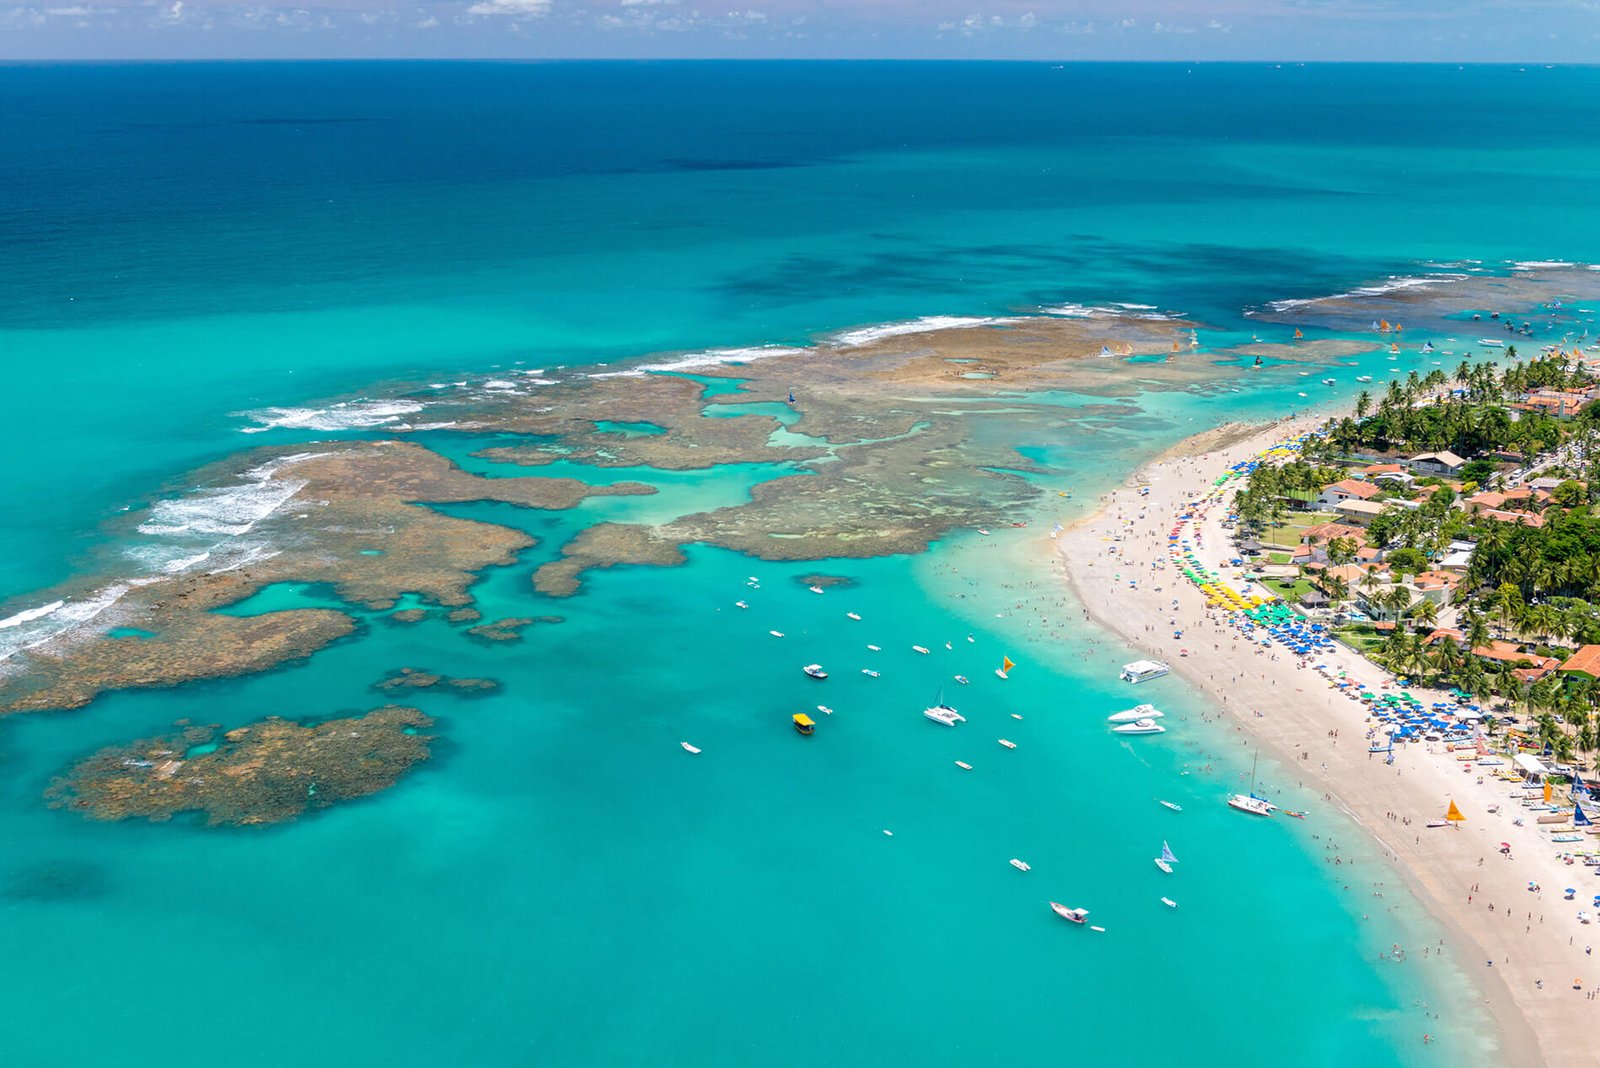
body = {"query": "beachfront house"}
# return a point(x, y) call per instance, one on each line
point(1357, 512)
point(1346, 490)
point(1446, 464)
point(1585, 662)
point(1458, 554)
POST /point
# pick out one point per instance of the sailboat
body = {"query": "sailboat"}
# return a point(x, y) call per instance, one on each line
point(1256, 806)
point(1006, 664)
point(1579, 817)
point(1394, 347)
point(1166, 860)
point(1298, 334)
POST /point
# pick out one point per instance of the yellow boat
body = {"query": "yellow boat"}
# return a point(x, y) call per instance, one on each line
point(804, 723)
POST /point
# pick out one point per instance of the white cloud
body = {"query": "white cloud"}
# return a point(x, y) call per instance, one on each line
point(513, 8)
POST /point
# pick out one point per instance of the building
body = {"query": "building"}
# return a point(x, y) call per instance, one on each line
point(1357, 512)
point(1445, 463)
point(1586, 661)
point(1348, 489)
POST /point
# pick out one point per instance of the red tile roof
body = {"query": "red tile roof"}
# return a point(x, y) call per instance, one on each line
point(1586, 661)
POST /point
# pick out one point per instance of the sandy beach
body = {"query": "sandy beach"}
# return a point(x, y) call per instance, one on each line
point(1538, 947)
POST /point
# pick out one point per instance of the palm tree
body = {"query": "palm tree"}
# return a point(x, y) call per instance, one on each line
point(1425, 614)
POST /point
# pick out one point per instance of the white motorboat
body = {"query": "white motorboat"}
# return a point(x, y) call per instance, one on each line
point(1173, 806)
point(853, 615)
point(816, 589)
point(1329, 382)
point(825, 710)
point(943, 713)
point(1143, 726)
point(962, 679)
point(875, 648)
point(687, 748)
point(1015, 716)
point(1363, 378)
point(1143, 670)
point(1071, 915)
point(920, 649)
point(1137, 712)
point(963, 765)
point(1021, 865)
point(1254, 805)
point(1008, 743)
point(1171, 904)
point(740, 604)
point(870, 673)
point(776, 633)
point(815, 671)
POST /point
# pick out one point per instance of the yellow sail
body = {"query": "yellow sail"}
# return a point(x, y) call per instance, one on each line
point(1383, 324)
point(1297, 333)
point(1454, 813)
point(1006, 663)
point(1394, 348)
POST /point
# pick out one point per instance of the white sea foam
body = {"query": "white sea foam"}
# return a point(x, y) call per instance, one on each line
point(1114, 310)
point(867, 334)
point(1392, 285)
point(710, 358)
point(35, 626)
point(227, 510)
point(1540, 265)
point(28, 615)
point(346, 415)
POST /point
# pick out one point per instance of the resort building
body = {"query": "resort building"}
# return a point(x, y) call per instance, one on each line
point(1349, 489)
point(1436, 463)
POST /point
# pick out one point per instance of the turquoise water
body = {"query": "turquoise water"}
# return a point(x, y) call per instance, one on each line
point(562, 881)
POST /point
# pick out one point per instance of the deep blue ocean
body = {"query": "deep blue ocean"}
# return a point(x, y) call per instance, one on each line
point(183, 243)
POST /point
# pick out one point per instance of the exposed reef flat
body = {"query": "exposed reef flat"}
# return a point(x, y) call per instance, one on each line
point(409, 678)
point(345, 501)
point(507, 630)
point(270, 771)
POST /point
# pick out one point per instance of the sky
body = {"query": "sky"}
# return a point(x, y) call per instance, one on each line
point(1524, 31)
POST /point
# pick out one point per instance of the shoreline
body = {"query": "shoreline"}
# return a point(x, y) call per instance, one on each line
point(1294, 708)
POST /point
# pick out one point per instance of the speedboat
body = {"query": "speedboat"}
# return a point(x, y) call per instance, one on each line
point(1249, 803)
point(1164, 866)
point(687, 748)
point(1171, 904)
point(1143, 726)
point(1363, 378)
point(1008, 743)
point(920, 649)
point(1071, 915)
point(1173, 806)
point(1015, 715)
point(962, 679)
point(816, 589)
point(815, 671)
point(853, 615)
point(870, 673)
point(740, 604)
point(1021, 865)
point(1143, 670)
point(1329, 382)
point(1137, 712)
point(825, 710)
point(942, 713)
point(776, 633)
point(963, 765)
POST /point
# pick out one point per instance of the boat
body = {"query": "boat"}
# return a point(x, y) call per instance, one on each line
point(1435, 823)
point(825, 710)
point(852, 615)
point(923, 649)
point(985, 533)
point(816, 589)
point(1299, 394)
point(1021, 865)
point(871, 674)
point(740, 604)
point(1253, 805)
point(776, 633)
point(875, 648)
point(1329, 382)
point(815, 671)
point(1167, 859)
point(943, 713)
point(1008, 743)
point(1295, 814)
point(1142, 726)
point(1078, 916)
point(687, 748)
point(1137, 712)
point(963, 765)
point(804, 723)
point(1015, 715)
point(1173, 806)
point(1491, 343)
point(1256, 806)
point(1363, 378)
point(1006, 664)
point(962, 679)
point(1171, 904)
point(1143, 670)
point(1164, 866)
point(1297, 334)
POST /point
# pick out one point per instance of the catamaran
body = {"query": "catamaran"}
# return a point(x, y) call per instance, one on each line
point(1006, 664)
point(1142, 726)
point(1166, 860)
point(815, 671)
point(1137, 712)
point(1021, 865)
point(943, 713)
point(1143, 670)
point(1256, 806)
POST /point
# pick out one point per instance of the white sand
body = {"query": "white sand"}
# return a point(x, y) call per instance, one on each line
point(1529, 936)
